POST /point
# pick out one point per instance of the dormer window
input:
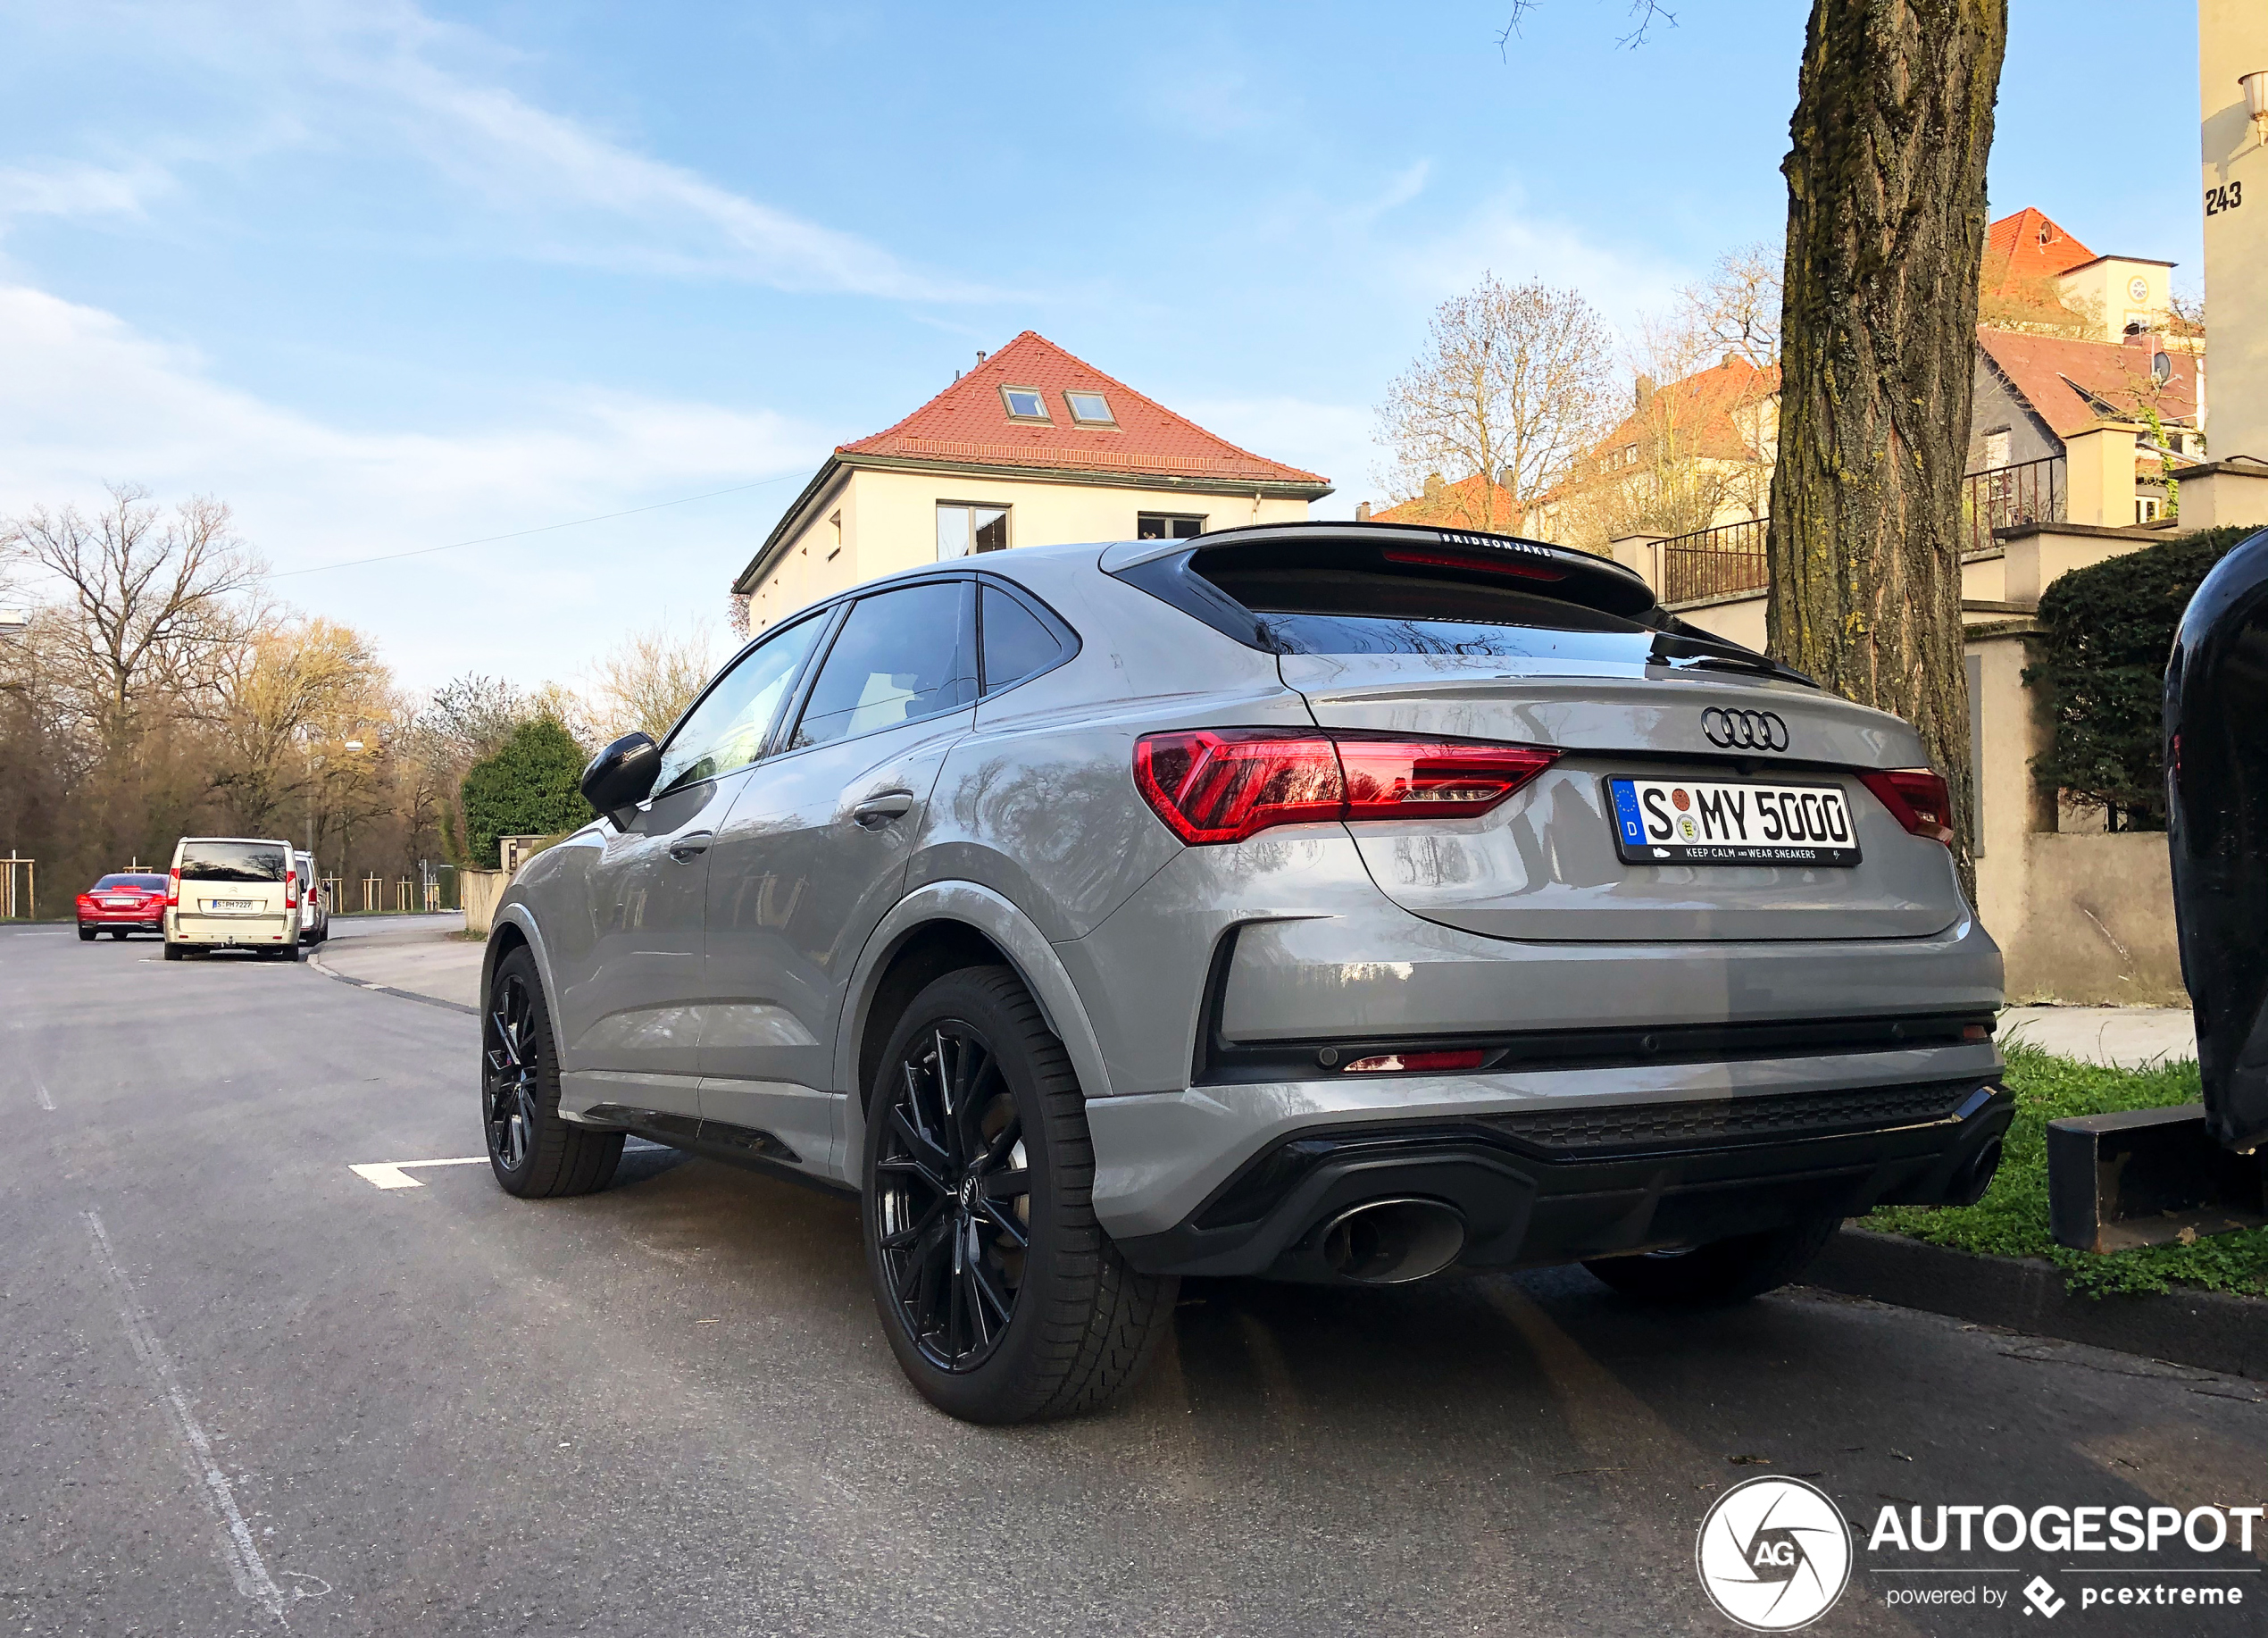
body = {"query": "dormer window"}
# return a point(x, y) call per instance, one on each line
point(1091, 409)
point(1025, 404)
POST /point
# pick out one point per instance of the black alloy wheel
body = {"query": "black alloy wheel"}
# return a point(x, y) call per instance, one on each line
point(508, 1088)
point(532, 1151)
point(999, 1293)
point(954, 1200)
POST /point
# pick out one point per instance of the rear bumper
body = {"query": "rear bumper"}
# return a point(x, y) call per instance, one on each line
point(1236, 1180)
point(142, 921)
point(243, 932)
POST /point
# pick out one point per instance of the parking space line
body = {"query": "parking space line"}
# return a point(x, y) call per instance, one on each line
point(390, 1174)
point(245, 1567)
point(40, 1091)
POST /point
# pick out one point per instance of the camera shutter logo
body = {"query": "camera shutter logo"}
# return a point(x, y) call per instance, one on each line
point(1744, 731)
point(1773, 1554)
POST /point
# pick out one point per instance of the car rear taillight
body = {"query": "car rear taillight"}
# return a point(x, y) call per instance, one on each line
point(1224, 785)
point(173, 889)
point(291, 890)
point(1917, 799)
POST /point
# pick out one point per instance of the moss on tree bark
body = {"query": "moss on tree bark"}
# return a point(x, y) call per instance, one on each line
point(1886, 228)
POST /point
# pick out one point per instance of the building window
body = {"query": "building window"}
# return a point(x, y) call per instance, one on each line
point(1166, 526)
point(1024, 404)
point(835, 521)
point(1091, 409)
point(1995, 449)
point(963, 529)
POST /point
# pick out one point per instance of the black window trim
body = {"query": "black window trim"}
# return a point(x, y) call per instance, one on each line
point(1057, 627)
point(782, 740)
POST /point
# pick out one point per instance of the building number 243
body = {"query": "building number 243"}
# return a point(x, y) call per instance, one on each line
point(2225, 197)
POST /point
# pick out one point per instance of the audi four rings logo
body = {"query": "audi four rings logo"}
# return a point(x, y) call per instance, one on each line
point(1744, 731)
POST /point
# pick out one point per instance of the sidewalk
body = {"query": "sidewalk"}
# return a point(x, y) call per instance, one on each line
point(424, 957)
point(2121, 1037)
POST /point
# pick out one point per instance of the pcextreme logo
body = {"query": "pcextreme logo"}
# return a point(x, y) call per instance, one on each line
point(1773, 1554)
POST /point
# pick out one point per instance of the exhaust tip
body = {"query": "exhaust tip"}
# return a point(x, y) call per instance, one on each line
point(1970, 1187)
point(1391, 1242)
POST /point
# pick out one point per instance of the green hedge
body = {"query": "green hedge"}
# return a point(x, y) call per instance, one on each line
point(529, 788)
point(2108, 633)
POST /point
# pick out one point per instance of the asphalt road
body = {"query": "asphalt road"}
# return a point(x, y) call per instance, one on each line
point(242, 1389)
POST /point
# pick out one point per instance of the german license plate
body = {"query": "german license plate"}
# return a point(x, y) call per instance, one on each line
point(1721, 822)
point(118, 904)
point(229, 906)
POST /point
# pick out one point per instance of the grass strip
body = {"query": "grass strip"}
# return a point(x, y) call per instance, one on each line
point(2012, 1219)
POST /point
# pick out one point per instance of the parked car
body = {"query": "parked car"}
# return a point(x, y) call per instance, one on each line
point(314, 903)
point(124, 902)
point(1326, 902)
point(232, 892)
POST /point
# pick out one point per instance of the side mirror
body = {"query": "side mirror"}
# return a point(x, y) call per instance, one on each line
point(620, 776)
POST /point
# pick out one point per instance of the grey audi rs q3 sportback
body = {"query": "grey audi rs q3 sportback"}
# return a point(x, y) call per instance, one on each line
point(1329, 902)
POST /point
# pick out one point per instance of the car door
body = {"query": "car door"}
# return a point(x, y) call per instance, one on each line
point(632, 995)
point(815, 853)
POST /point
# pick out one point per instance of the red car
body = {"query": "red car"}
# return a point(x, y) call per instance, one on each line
point(134, 902)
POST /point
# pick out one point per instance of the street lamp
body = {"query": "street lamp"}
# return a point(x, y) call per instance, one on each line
point(2256, 90)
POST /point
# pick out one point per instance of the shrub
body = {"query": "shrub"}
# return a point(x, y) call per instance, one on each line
point(528, 788)
point(2107, 633)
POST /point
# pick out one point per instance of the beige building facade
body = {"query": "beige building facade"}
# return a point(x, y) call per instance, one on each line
point(2232, 94)
point(1034, 446)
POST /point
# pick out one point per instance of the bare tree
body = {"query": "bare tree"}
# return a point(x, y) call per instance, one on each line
point(158, 599)
point(1512, 384)
point(1736, 309)
point(646, 681)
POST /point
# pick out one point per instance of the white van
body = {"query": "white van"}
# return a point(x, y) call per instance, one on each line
point(232, 892)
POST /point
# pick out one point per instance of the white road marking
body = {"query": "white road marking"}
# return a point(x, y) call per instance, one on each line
point(40, 1091)
point(389, 1175)
point(245, 1567)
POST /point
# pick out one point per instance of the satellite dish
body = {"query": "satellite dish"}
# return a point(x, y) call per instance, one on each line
point(2161, 367)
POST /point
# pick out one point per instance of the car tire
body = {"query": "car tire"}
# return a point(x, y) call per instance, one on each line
point(989, 1331)
point(1723, 1271)
point(172, 950)
point(533, 1152)
point(86, 933)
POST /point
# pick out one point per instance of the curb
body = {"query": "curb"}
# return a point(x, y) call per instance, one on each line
point(2206, 1329)
point(328, 971)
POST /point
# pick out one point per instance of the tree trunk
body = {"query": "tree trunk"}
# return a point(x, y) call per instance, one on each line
point(1886, 228)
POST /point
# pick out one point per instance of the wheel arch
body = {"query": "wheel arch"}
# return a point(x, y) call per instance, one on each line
point(938, 928)
point(515, 929)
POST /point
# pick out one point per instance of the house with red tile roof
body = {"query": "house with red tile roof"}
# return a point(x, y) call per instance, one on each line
point(2120, 294)
point(2033, 393)
point(1035, 445)
point(1478, 502)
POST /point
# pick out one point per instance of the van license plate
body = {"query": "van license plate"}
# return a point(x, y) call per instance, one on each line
point(226, 905)
point(1715, 821)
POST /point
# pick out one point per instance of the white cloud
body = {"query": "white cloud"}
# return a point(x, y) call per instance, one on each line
point(86, 399)
point(66, 189)
point(1501, 235)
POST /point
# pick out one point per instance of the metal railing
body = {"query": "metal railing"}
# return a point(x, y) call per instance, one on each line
point(2003, 496)
point(1714, 563)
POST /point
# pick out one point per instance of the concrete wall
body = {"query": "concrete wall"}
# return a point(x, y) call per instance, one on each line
point(889, 522)
point(481, 889)
point(2232, 39)
point(2096, 922)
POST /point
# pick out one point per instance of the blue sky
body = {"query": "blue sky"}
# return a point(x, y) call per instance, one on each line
point(387, 277)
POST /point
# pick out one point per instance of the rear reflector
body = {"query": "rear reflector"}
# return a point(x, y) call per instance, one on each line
point(1224, 785)
point(1917, 799)
point(1405, 1062)
point(1479, 563)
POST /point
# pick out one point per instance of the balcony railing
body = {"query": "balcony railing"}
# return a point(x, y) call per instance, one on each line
point(1714, 563)
point(2003, 496)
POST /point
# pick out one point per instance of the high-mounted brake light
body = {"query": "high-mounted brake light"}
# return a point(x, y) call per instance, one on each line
point(173, 889)
point(1224, 785)
point(1917, 799)
point(1485, 563)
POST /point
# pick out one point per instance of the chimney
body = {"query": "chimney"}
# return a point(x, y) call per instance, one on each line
point(1645, 394)
point(1433, 486)
point(1503, 476)
point(1361, 512)
point(979, 355)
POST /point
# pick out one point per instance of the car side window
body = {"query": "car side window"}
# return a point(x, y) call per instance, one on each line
point(728, 728)
point(1016, 642)
point(903, 655)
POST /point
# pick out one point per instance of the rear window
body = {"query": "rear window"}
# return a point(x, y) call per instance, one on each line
point(129, 880)
point(1347, 612)
point(234, 861)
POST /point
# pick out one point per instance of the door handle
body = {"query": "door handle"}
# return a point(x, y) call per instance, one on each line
point(686, 848)
point(878, 811)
